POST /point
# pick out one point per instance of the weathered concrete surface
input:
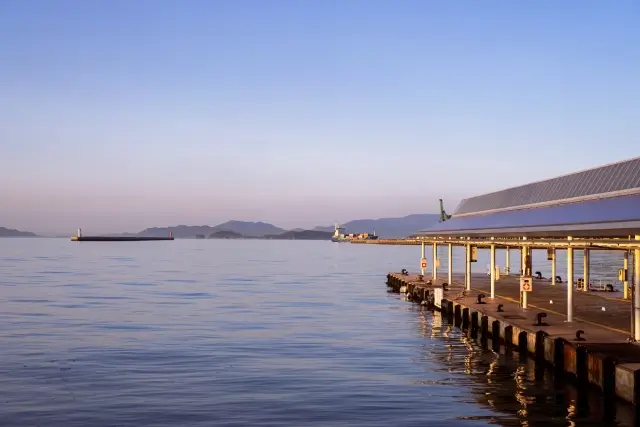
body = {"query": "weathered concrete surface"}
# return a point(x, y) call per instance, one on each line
point(587, 305)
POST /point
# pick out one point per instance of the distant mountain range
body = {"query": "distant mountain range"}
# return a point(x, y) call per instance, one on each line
point(244, 228)
point(384, 228)
point(287, 235)
point(8, 232)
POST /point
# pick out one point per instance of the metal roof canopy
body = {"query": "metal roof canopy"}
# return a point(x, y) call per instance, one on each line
point(603, 202)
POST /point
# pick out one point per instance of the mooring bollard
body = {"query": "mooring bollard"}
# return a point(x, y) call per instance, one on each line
point(500, 310)
point(480, 299)
point(579, 335)
point(420, 278)
point(444, 286)
point(539, 322)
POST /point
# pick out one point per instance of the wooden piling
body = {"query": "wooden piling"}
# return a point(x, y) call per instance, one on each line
point(603, 360)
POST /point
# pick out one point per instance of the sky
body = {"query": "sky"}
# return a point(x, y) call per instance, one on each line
point(119, 115)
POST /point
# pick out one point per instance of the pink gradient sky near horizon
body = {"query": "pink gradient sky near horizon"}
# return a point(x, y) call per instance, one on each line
point(117, 116)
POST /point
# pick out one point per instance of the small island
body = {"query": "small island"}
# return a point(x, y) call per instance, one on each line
point(301, 235)
point(287, 235)
point(226, 234)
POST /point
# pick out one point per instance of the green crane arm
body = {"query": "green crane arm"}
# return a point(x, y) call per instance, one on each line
point(443, 213)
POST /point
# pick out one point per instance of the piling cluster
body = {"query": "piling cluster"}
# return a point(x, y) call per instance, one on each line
point(590, 359)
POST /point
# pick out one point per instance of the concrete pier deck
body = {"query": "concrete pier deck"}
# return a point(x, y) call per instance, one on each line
point(615, 317)
point(389, 242)
point(602, 356)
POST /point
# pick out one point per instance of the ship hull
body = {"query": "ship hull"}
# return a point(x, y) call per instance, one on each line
point(346, 240)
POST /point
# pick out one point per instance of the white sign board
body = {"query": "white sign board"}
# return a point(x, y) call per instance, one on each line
point(423, 263)
point(526, 284)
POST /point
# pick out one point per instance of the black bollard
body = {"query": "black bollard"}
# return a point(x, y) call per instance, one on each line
point(444, 286)
point(480, 299)
point(539, 318)
point(500, 310)
point(579, 335)
point(420, 278)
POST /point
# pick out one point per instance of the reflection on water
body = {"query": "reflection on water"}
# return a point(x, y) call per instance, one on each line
point(518, 391)
point(237, 333)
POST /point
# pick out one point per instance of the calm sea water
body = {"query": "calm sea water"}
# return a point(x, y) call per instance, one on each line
point(249, 333)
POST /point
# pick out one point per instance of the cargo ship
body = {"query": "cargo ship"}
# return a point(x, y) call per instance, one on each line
point(339, 235)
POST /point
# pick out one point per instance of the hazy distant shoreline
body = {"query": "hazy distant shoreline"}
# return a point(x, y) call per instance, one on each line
point(384, 227)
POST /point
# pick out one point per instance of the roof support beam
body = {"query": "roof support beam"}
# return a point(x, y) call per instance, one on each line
point(608, 244)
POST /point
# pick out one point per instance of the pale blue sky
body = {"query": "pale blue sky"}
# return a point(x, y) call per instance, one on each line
point(118, 115)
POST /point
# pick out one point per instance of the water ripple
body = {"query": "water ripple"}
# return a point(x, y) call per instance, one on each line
point(260, 333)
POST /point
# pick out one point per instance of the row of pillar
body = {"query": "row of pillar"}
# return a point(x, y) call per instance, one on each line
point(526, 269)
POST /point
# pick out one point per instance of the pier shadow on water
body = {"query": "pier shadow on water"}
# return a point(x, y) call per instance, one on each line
point(519, 391)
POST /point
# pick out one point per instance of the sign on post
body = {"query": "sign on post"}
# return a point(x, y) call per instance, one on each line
point(423, 263)
point(550, 253)
point(526, 284)
point(622, 275)
point(474, 254)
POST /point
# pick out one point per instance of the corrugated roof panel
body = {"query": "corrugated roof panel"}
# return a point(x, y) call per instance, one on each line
point(609, 210)
point(581, 187)
point(631, 177)
point(614, 180)
point(614, 177)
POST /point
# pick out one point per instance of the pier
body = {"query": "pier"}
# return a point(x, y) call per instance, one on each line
point(592, 337)
point(589, 350)
point(80, 238)
point(389, 242)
